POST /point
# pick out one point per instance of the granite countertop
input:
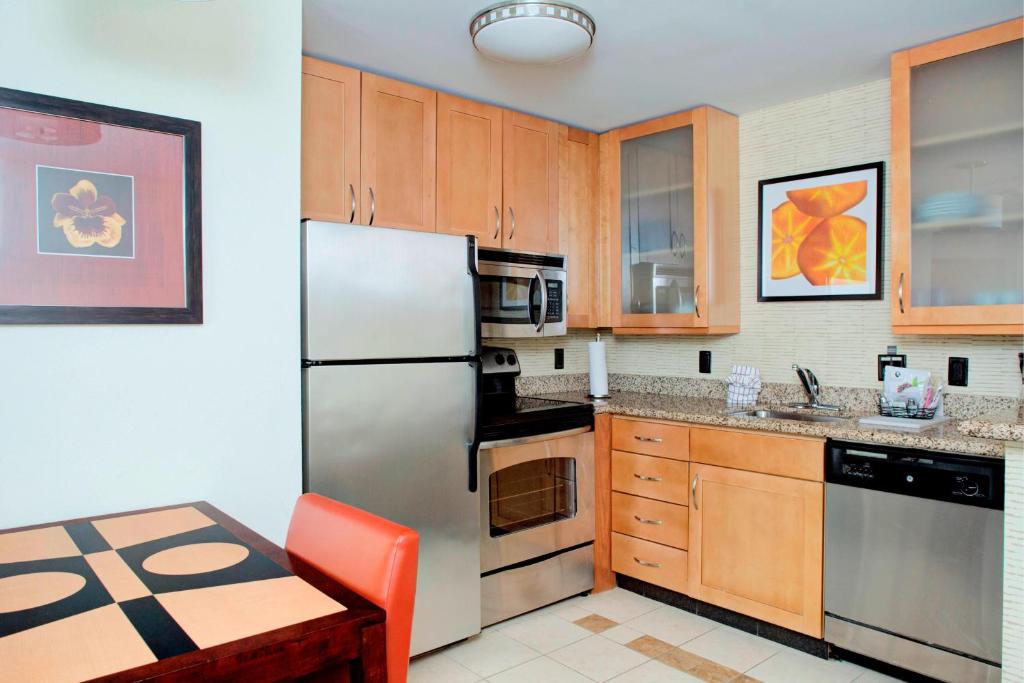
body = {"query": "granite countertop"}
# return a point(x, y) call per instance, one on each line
point(949, 436)
point(1005, 425)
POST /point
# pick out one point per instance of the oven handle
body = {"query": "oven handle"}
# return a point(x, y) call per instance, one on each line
point(534, 439)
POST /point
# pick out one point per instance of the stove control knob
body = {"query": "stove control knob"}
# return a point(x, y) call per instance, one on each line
point(499, 359)
point(511, 359)
point(967, 486)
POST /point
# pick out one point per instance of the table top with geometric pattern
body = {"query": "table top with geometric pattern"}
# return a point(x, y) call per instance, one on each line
point(94, 597)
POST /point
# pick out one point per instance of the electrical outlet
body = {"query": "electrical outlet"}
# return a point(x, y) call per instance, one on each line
point(559, 359)
point(897, 360)
point(704, 361)
point(957, 376)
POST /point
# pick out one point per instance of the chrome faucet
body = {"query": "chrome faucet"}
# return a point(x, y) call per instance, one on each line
point(813, 388)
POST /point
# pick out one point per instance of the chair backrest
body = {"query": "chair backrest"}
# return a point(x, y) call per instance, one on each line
point(367, 554)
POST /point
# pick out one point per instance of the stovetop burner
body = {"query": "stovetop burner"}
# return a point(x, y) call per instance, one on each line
point(504, 415)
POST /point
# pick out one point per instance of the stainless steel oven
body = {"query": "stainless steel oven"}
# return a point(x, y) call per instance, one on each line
point(537, 513)
point(522, 294)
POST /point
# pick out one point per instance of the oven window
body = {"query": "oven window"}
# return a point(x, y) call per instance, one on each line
point(507, 299)
point(532, 494)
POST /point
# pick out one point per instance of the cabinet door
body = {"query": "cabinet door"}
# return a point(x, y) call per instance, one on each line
point(530, 183)
point(577, 220)
point(658, 234)
point(399, 129)
point(957, 174)
point(756, 545)
point(469, 169)
point(330, 141)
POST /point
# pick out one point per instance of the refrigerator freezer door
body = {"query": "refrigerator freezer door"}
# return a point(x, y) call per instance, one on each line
point(372, 293)
point(393, 439)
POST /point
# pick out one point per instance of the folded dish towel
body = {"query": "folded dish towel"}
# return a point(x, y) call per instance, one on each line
point(744, 385)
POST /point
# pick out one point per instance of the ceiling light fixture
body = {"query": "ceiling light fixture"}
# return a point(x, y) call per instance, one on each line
point(532, 32)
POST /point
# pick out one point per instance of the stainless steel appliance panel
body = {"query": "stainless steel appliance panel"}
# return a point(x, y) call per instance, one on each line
point(372, 293)
point(518, 546)
point(515, 591)
point(925, 568)
point(908, 654)
point(393, 439)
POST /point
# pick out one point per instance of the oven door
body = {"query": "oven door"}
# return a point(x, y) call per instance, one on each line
point(521, 301)
point(537, 496)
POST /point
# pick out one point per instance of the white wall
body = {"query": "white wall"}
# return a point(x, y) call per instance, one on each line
point(109, 418)
point(839, 340)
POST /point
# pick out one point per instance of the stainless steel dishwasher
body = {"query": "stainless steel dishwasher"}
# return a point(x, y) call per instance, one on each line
point(914, 559)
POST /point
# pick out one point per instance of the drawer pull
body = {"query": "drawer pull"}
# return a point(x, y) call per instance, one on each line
point(645, 563)
point(642, 477)
point(640, 519)
point(649, 439)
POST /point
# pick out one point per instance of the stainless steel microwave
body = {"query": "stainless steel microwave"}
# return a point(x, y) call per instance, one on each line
point(522, 294)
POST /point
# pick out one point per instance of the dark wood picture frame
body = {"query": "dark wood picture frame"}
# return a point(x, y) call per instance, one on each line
point(879, 168)
point(190, 132)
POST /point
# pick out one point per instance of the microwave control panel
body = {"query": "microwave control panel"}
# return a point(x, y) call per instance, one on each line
point(555, 299)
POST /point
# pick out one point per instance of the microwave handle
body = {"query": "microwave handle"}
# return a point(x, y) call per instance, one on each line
point(539, 325)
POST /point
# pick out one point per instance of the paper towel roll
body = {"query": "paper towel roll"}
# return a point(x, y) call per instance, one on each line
point(598, 369)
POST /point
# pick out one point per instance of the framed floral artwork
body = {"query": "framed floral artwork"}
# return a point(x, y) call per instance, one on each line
point(100, 214)
point(820, 235)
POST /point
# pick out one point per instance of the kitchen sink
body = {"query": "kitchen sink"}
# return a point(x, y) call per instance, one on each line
point(786, 415)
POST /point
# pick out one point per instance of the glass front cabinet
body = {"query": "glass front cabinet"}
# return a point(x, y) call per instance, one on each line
point(673, 225)
point(958, 184)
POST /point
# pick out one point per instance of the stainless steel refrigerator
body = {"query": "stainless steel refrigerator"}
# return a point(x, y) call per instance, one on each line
point(390, 348)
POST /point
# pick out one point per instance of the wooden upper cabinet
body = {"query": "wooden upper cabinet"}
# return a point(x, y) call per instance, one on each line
point(330, 141)
point(671, 211)
point(756, 545)
point(577, 221)
point(469, 169)
point(957, 173)
point(530, 183)
point(399, 128)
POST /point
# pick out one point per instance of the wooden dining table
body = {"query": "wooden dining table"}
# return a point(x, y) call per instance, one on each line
point(179, 593)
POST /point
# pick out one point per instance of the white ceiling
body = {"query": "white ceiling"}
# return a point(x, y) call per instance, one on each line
point(650, 57)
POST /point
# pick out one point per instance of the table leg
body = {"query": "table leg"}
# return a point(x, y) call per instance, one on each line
point(372, 665)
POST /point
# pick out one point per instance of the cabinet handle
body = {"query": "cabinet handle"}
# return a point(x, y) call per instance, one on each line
point(641, 477)
point(497, 223)
point(352, 192)
point(373, 206)
point(696, 478)
point(650, 439)
point(899, 292)
point(656, 522)
point(645, 563)
point(513, 215)
point(696, 300)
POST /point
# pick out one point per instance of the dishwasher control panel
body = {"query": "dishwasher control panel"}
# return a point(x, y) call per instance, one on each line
point(963, 479)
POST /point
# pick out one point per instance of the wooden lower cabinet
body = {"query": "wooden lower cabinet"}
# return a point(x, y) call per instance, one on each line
point(756, 546)
point(650, 477)
point(649, 437)
point(653, 520)
point(651, 562)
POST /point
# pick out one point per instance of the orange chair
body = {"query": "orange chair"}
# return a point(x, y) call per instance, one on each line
point(369, 555)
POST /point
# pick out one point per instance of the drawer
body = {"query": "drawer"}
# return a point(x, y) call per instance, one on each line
point(651, 438)
point(654, 520)
point(786, 456)
point(651, 562)
point(650, 477)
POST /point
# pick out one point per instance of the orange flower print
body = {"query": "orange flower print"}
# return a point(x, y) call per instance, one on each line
point(86, 217)
point(829, 200)
point(790, 227)
point(836, 252)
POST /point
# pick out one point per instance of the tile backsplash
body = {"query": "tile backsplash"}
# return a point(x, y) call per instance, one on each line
point(839, 340)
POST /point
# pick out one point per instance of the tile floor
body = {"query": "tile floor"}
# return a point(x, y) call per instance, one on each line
point(626, 638)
